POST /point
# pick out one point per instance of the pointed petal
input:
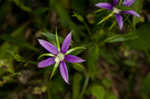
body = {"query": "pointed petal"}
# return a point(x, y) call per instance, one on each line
point(115, 2)
point(128, 2)
point(73, 59)
point(105, 5)
point(48, 46)
point(64, 71)
point(131, 12)
point(46, 63)
point(119, 19)
point(66, 43)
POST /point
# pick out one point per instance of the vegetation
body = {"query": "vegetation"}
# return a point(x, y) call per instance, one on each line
point(117, 59)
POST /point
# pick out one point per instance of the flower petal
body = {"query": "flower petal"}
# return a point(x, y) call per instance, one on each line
point(48, 46)
point(66, 43)
point(119, 19)
point(128, 2)
point(115, 2)
point(46, 63)
point(64, 71)
point(73, 59)
point(105, 5)
point(131, 12)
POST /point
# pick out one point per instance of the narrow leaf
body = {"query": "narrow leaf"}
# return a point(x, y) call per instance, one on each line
point(54, 69)
point(57, 41)
point(45, 54)
point(74, 49)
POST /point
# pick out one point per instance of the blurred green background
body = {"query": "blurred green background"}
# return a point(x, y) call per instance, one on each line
point(117, 61)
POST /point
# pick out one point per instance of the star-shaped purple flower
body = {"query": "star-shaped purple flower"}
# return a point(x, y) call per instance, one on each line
point(59, 56)
point(117, 11)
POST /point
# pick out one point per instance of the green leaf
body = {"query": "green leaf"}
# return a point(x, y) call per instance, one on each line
point(137, 6)
point(130, 62)
point(18, 39)
point(45, 54)
point(76, 85)
point(99, 10)
point(110, 95)
point(145, 84)
point(54, 69)
point(74, 49)
point(107, 83)
point(19, 42)
point(120, 38)
point(51, 37)
point(57, 41)
point(79, 6)
point(143, 41)
point(98, 91)
point(66, 20)
point(5, 58)
point(93, 55)
point(40, 11)
point(16, 56)
point(78, 67)
point(110, 57)
point(22, 6)
point(106, 18)
point(79, 17)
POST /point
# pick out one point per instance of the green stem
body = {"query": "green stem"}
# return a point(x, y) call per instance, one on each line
point(49, 89)
point(48, 84)
point(86, 26)
point(84, 87)
point(148, 55)
point(111, 27)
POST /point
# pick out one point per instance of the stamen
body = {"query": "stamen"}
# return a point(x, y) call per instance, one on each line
point(60, 57)
point(116, 10)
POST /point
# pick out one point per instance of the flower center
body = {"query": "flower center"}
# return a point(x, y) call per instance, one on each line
point(60, 57)
point(116, 10)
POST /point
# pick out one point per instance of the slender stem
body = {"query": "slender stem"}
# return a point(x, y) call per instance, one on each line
point(111, 27)
point(148, 55)
point(49, 89)
point(88, 29)
point(84, 87)
point(48, 84)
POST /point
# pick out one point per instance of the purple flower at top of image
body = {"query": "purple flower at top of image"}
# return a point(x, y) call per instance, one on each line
point(59, 57)
point(117, 11)
point(128, 2)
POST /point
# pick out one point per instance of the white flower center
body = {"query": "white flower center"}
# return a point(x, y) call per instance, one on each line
point(60, 57)
point(116, 10)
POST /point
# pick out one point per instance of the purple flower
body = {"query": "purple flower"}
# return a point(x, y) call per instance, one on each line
point(128, 2)
point(59, 56)
point(117, 11)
